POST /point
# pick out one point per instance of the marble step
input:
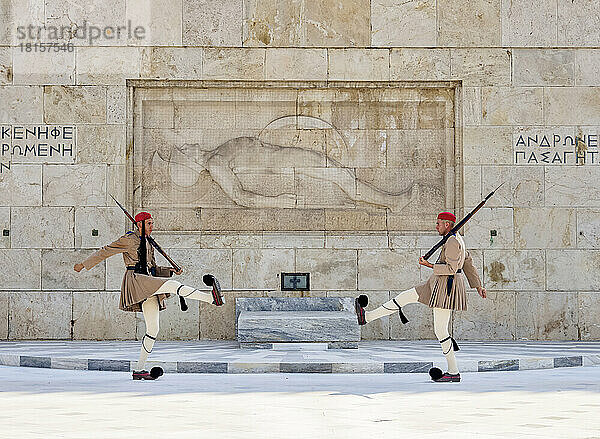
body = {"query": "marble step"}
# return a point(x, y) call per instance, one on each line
point(305, 347)
point(297, 326)
point(293, 304)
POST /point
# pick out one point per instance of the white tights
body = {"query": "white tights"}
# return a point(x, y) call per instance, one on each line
point(174, 287)
point(150, 310)
point(441, 320)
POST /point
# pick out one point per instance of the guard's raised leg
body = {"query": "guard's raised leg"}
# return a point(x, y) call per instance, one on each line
point(173, 287)
point(390, 307)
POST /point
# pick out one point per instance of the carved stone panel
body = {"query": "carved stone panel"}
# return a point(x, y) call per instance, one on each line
point(357, 150)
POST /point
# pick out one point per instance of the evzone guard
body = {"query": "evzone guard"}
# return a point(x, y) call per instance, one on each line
point(145, 285)
point(444, 292)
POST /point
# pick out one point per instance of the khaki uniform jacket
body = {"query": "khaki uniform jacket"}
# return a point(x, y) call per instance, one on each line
point(434, 292)
point(135, 287)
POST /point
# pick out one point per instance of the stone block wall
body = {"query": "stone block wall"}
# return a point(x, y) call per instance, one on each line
point(523, 69)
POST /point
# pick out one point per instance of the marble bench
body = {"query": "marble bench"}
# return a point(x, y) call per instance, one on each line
point(269, 322)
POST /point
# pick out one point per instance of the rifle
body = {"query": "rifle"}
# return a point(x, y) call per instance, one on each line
point(459, 225)
point(154, 244)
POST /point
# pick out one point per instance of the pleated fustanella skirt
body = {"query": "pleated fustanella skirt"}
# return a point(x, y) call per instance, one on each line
point(136, 288)
point(435, 293)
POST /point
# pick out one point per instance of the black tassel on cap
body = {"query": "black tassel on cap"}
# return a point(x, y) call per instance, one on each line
point(141, 266)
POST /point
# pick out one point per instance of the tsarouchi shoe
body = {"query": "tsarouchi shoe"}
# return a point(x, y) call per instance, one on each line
point(359, 307)
point(449, 378)
point(212, 281)
point(216, 293)
point(142, 375)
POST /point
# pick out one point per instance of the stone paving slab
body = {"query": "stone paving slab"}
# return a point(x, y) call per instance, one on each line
point(370, 357)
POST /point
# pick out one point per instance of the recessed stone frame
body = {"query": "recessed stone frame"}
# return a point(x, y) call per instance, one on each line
point(293, 156)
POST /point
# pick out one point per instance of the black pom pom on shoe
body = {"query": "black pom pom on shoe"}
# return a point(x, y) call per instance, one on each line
point(363, 300)
point(435, 373)
point(208, 279)
point(156, 372)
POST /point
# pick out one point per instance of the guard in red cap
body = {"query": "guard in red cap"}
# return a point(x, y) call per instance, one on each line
point(142, 216)
point(444, 291)
point(447, 216)
point(145, 285)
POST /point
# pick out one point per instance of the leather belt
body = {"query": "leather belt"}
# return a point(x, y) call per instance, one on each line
point(450, 281)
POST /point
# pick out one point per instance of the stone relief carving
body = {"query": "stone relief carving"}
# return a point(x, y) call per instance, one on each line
point(233, 164)
point(234, 157)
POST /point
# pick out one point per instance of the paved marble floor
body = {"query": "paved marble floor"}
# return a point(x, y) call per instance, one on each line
point(370, 357)
point(49, 403)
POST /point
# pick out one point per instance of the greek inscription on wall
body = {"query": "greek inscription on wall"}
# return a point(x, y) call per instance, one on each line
point(555, 148)
point(37, 144)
